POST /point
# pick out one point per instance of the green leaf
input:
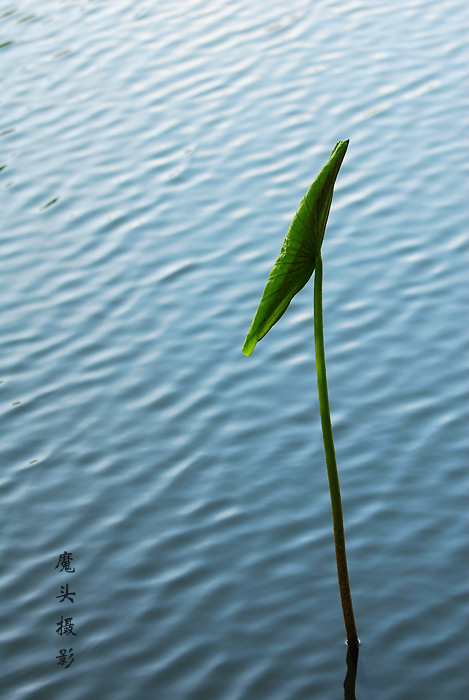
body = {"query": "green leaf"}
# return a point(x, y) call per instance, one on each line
point(295, 264)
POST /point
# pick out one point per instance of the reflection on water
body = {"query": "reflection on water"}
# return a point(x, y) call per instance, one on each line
point(351, 677)
point(155, 153)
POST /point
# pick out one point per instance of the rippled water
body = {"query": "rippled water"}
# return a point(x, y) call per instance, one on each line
point(152, 156)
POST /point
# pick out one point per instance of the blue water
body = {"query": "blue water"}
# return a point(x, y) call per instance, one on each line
point(153, 155)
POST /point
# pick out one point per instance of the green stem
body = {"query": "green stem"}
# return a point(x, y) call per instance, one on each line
point(332, 474)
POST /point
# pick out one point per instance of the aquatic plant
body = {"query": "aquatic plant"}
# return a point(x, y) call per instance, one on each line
point(299, 257)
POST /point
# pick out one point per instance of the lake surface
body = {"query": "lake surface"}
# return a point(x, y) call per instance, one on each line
point(152, 157)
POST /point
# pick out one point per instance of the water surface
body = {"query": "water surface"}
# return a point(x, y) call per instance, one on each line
point(152, 157)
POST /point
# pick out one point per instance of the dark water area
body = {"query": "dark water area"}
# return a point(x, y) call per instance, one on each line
point(151, 158)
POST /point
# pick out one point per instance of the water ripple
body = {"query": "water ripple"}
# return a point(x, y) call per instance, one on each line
point(154, 157)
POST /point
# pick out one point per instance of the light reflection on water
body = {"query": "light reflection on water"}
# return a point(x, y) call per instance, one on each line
point(151, 159)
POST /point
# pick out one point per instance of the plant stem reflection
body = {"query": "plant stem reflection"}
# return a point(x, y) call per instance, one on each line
point(351, 677)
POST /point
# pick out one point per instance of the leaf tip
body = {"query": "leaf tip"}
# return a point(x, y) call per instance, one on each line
point(249, 345)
